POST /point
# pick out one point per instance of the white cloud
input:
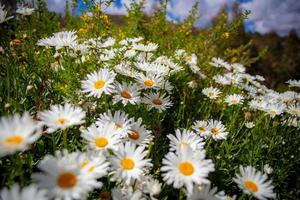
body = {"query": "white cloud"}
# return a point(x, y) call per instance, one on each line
point(276, 15)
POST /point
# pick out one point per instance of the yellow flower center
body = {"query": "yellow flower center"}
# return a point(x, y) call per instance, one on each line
point(189, 58)
point(294, 112)
point(13, 140)
point(118, 125)
point(214, 131)
point(134, 135)
point(211, 94)
point(233, 101)
point(101, 142)
point(91, 169)
point(250, 185)
point(186, 168)
point(127, 164)
point(99, 84)
point(148, 83)
point(157, 102)
point(84, 163)
point(273, 112)
point(66, 180)
point(183, 144)
point(125, 94)
point(61, 120)
point(202, 129)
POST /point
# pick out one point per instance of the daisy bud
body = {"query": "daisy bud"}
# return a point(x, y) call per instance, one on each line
point(29, 87)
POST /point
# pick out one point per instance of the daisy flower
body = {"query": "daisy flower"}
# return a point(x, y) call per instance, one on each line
point(205, 192)
point(59, 39)
point(186, 168)
point(99, 82)
point(150, 80)
point(103, 137)
point(119, 118)
point(192, 84)
point(126, 193)
point(28, 192)
point(274, 109)
point(63, 177)
point(249, 125)
point(129, 163)
point(191, 59)
point(153, 187)
point(294, 110)
point(138, 134)
point(126, 93)
point(211, 92)
point(3, 13)
point(217, 130)
point(255, 183)
point(17, 133)
point(24, 10)
point(154, 68)
point(94, 162)
point(157, 101)
point(201, 127)
point(183, 139)
point(293, 83)
point(145, 48)
point(221, 80)
point(62, 117)
point(234, 99)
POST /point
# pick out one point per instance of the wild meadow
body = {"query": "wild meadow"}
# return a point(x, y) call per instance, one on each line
point(144, 110)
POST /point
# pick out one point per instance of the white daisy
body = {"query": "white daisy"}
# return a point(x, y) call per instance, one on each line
point(103, 137)
point(94, 162)
point(211, 92)
point(157, 101)
point(129, 163)
point(150, 80)
point(62, 117)
point(191, 59)
point(145, 48)
point(186, 168)
point(217, 130)
point(193, 84)
point(293, 83)
point(294, 110)
point(119, 118)
point(126, 193)
point(221, 80)
point(205, 192)
point(24, 10)
point(99, 82)
point(126, 93)
point(274, 109)
point(154, 68)
point(138, 134)
point(183, 139)
point(153, 187)
point(59, 39)
point(249, 125)
point(201, 127)
point(3, 13)
point(17, 133)
point(63, 177)
point(234, 99)
point(29, 192)
point(255, 183)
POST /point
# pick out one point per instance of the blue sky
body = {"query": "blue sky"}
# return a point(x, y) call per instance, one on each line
point(266, 15)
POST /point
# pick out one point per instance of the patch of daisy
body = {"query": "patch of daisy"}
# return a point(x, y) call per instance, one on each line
point(129, 163)
point(61, 117)
point(183, 139)
point(17, 133)
point(127, 93)
point(103, 137)
point(99, 82)
point(186, 168)
point(254, 183)
point(157, 101)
